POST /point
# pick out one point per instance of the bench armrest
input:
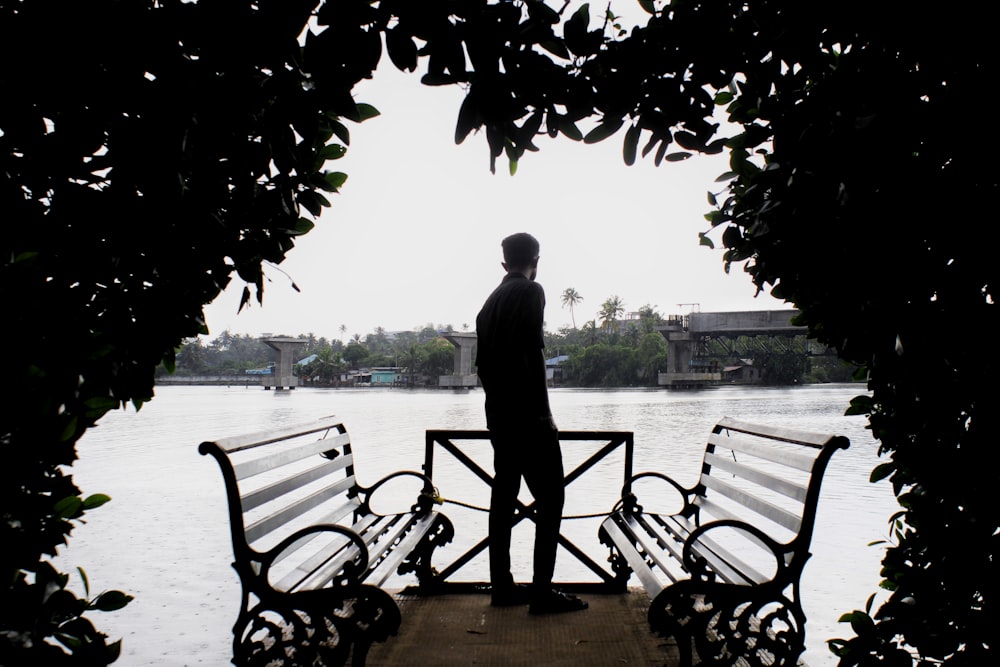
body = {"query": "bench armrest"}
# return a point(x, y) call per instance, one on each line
point(628, 503)
point(427, 498)
point(697, 565)
point(352, 572)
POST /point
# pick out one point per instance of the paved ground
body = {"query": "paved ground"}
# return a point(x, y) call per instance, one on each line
point(463, 629)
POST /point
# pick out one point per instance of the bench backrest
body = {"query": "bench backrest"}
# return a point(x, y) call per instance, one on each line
point(285, 479)
point(768, 477)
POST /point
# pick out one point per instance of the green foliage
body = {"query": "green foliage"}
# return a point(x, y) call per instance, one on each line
point(141, 169)
point(844, 179)
point(189, 144)
point(780, 368)
point(604, 365)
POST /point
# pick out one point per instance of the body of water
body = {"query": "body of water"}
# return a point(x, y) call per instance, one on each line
point(164, 538)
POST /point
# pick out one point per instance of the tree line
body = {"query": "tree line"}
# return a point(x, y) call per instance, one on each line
point(607, 351)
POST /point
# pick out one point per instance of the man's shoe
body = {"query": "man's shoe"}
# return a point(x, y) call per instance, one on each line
point(555, 602)
point(511, 596)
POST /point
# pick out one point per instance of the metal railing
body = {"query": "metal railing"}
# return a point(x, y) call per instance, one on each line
point(604, 445)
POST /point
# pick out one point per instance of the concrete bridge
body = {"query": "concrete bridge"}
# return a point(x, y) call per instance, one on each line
point(687, 337)
point(463, 377)
point(687, 340)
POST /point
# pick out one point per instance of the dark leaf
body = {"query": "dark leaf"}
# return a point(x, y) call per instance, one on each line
point(660, 152)
point(468, 118)
point(86, 581)
point(568, 128)
point(607, 127)
point(335, 179)
point(437, 79)
point(95, 500)
point(312, 201)
point(332, 152)
point(402, 49)
point(68, 507)
point(556, 48)
point(882, 471)
point(687, 140)
point(340, 130)
point(110, 601)
point(366, 111)
point(303, 226)
point(631, 144)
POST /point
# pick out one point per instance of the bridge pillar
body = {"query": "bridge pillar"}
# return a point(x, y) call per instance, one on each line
point(681, 373)
point(684, 333)
point(463, 376)
point(282, 377)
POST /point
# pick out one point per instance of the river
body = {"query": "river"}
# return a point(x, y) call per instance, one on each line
point(164, 537)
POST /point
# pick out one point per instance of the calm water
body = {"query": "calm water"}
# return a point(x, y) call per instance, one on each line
point(164, 538)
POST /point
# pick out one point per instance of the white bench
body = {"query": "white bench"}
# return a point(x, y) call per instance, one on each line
point(723, 570)
point(311, 553)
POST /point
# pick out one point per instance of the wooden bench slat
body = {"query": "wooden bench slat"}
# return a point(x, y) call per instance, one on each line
point(390, 564)
point(290, 455)
point(728, 566)
point(266, 525)
point(277, 489)
point(660, 547)
point(783, 433)
point(767, 480)
point(635, 561)
point(322, 569)
point(269, 436)
point(762, 450)
point(779, 515)
point(334, 514)
point(305, 575)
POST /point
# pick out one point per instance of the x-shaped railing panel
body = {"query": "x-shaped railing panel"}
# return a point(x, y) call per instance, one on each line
point(606, 443)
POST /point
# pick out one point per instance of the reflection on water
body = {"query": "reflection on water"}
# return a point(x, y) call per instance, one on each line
point(164, 538)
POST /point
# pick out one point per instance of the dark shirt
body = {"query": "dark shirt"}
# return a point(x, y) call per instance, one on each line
point(510, 357)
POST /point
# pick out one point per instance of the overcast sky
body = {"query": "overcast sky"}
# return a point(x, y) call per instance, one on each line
point(414, 236)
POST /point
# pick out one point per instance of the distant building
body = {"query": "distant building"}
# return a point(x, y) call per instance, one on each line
point(553, 369)
point(386, 376)
point(742, 372)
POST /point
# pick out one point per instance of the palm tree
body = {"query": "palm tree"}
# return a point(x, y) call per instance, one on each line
point(570, 297)
point(612, 308)
point(590, 331)
point(343, 330)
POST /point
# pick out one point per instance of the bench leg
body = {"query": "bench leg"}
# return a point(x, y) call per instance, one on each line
point(419, 560)
point(619, 565)
point(728, 624)
point(327, 626)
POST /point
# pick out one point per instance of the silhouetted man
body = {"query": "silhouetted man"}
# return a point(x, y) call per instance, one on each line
point(511, 367)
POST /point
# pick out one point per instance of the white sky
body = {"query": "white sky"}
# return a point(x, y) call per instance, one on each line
point(414, 236)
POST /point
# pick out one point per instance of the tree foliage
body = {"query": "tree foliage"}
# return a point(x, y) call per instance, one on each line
point(142, 169)
point(150, 151)
point(844, 174)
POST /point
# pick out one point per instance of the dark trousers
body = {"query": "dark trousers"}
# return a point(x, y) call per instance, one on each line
point(534, 455)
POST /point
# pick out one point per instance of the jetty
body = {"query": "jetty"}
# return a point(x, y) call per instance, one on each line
point(454, 630)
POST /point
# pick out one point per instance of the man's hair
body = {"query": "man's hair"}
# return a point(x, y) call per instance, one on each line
point(520, 250)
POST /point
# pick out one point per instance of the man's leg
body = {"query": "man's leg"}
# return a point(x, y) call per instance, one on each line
point(503, 499)
point(544, 476)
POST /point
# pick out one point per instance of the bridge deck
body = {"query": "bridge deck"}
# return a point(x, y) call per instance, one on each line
point(463, 629)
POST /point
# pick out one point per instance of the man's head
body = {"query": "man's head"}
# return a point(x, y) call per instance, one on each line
point(520, 254)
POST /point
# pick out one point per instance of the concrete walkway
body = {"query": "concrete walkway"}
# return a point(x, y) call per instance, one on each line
point(463, 629)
